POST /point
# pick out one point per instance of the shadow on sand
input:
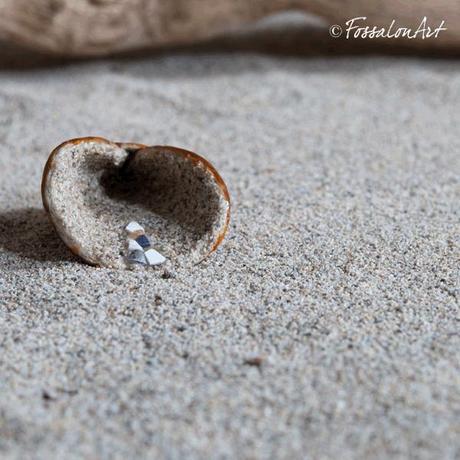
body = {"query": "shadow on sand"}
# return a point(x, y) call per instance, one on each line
point(29, 233)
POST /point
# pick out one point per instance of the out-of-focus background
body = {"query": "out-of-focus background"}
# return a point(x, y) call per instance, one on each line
point(325, 326)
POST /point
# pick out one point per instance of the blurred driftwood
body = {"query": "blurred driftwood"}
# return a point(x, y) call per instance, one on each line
point(100, 27)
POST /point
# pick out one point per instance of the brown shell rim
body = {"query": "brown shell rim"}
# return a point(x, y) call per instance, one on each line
point(135, 147)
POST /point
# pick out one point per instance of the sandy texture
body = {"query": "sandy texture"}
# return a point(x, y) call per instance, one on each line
point(326, 325)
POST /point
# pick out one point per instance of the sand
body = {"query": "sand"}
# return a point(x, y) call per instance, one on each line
point(325, 326)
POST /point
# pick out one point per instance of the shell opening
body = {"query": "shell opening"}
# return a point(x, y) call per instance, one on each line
point(94, 189)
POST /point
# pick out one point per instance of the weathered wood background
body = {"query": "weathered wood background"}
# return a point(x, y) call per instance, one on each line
point(100, 27)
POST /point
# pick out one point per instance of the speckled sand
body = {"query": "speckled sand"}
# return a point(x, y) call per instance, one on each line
point(326, 325)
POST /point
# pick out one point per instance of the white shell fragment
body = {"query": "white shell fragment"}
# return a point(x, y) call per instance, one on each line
point(133, 245)
point(154, 257)
point(137, 257)
point(139, 247)
point(133, 227)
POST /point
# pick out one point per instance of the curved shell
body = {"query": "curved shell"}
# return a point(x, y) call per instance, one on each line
point(92, 188)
